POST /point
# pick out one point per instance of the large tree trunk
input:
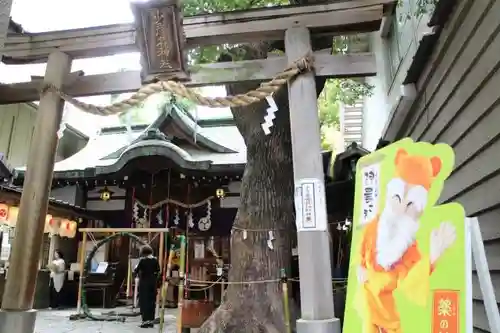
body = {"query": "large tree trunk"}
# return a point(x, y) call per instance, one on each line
point(266, 204)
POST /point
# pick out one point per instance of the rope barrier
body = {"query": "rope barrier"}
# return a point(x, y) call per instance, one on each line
point(213, 284)
point(239, 228)
point(251, 282)
point(234, 282)
point(266, 89)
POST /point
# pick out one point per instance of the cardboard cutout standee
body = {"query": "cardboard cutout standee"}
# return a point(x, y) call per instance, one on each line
point(408, 270)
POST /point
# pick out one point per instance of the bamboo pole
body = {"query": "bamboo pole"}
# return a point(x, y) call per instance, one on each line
point(165, 284)
point(160, 261)
point(286, 306)
point(82, 266)
point(182, 267)
point(129, 274)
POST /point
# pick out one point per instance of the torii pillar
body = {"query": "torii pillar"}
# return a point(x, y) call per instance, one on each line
point(17, 314)
point(316, 294)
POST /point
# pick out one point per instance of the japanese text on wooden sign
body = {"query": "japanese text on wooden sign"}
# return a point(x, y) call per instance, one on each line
point(162, 49)
point(310, 206)
point(370, 187)
point(161, 39)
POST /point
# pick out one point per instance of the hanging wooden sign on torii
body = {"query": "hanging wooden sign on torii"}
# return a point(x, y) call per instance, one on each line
point(161, 40)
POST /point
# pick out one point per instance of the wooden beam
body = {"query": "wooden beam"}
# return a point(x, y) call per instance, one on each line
point(215, 29)
point(326, 65)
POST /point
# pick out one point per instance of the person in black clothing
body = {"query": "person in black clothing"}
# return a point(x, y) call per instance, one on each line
point(148, 271)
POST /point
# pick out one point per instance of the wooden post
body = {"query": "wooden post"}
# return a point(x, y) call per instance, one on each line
point(313, 243)
point(161, 250)
point(82, 267)
point(20, 286)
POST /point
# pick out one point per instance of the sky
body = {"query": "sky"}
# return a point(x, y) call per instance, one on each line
point(50, 15)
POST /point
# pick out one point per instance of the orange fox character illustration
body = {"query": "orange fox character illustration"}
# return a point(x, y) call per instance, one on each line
point(390, 255)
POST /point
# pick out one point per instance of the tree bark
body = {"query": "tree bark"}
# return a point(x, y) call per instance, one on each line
point(266, 204)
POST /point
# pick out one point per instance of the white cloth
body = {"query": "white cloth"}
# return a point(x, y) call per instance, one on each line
point(57, 273)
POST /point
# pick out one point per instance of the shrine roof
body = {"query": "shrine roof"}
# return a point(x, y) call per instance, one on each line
point(174, 135)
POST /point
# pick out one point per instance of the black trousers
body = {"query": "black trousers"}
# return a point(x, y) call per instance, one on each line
point(55, 298)
point(147, 299)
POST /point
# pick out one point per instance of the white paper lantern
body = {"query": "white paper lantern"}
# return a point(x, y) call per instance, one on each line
point(12, 217)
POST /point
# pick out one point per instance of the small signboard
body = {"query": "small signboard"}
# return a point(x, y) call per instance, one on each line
point(405, 247)
point(161, 40)
point(310, 205)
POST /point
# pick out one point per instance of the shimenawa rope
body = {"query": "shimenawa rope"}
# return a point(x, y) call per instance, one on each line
point(266, 89)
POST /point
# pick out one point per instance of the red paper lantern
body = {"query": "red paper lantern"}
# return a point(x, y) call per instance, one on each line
point(4, 212)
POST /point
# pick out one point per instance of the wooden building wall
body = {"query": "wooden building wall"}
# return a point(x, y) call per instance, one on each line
point(17, 122)
point(16, 129)
point(459, 103)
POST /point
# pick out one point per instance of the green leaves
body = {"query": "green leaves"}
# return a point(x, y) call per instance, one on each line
point(335, 93)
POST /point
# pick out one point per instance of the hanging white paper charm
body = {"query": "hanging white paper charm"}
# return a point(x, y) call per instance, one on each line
point(245, 234)
point(142, 222)
point(269, 117)
point(176, 218)
point(60, 131)
point(136, 211)
point(159, 217)
point(270, 240)
point(211, 242)
point(190, 221)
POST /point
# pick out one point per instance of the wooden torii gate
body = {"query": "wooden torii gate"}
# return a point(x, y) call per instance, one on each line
point(293, 24)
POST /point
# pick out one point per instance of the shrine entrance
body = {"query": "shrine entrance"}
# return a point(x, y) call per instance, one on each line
point(269, 116)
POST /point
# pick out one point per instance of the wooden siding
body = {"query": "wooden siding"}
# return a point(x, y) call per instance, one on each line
point(17, 122)
point(16, 129)
point(459, 103)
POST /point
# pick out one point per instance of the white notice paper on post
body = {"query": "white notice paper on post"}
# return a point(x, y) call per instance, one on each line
point(310, 205)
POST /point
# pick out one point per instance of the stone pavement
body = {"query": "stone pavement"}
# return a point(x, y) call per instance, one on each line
point(49, 321)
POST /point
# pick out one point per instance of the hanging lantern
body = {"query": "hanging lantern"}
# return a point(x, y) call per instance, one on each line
point(54, 225)
point(220, 193)
point(46, 228)
point(64, 228)
point(105, 194)
point(12, 217)
point(4, 213)
point(68, 229)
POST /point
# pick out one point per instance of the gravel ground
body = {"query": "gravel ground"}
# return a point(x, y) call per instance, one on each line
point(58, 322)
